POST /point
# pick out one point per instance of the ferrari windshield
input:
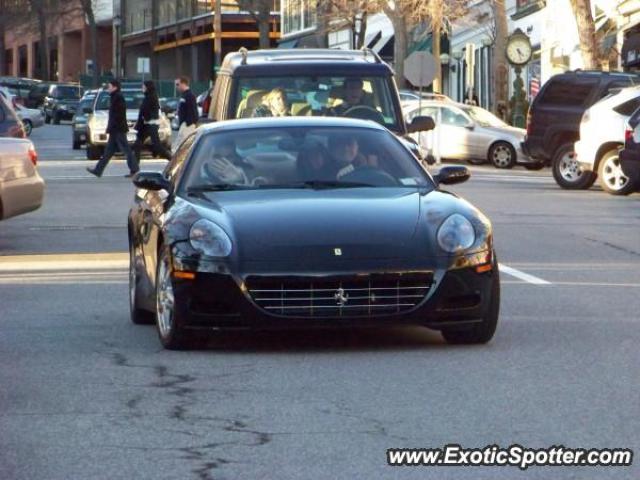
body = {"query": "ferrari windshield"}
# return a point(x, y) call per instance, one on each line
point(366, 98)
point(301, 157)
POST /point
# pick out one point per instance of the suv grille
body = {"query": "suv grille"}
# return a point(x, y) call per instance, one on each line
point(340, 296)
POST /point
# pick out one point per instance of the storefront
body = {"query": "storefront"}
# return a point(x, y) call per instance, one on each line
point(631, 50)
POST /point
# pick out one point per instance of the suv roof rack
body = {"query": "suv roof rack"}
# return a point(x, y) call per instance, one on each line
point(367, 50)
point(600, 72)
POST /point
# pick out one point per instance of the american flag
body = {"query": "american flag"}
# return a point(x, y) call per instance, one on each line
point(534, 87)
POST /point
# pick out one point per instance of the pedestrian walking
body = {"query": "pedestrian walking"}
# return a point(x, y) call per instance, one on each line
point(187, 112)
point(117, 129)
point(148, 123)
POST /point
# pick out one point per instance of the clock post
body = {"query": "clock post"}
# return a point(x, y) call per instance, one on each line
point(519, 53)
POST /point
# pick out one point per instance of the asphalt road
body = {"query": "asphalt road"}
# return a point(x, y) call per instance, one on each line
point(85, 394)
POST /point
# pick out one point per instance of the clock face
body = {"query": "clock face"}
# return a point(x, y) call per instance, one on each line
point(519, 50)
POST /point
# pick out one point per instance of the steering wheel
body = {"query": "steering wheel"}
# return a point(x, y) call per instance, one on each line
point(364, 112)
point(370, 175)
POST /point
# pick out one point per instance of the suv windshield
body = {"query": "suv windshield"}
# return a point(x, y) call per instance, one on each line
point(301, 157)
point(133, 98)
point(67, 92)
point(367, 98)
point(484, 118)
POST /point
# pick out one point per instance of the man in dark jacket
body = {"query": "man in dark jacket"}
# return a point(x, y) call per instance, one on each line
point(148, 123)
point(187, 112)
point(117, 130)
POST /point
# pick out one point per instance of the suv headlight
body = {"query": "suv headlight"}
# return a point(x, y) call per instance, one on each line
point(456, 234)
point(209, 239)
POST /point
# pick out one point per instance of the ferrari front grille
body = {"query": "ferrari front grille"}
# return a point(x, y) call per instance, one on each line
point(340, 296)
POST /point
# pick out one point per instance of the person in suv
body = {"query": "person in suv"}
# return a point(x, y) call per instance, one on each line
point(553, 121)
point(61, 102)
point(316, 82)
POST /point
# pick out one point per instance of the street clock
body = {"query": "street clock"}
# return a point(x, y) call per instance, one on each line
point(519, 49)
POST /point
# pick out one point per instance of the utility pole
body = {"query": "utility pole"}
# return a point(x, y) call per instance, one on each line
point(217, 32)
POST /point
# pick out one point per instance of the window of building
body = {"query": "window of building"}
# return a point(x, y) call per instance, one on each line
point(298, 15)
point(527, 7)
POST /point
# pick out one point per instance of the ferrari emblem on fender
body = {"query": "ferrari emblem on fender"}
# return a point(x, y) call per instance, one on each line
point(341, 297)
point(337, 252)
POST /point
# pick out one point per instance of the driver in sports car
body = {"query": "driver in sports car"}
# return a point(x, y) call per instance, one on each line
point(346, 155)
point(226, 165)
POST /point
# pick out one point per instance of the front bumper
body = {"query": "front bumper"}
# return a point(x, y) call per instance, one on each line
point(101, 139)
point(456, 297)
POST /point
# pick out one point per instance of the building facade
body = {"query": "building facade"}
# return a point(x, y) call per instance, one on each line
point(69, 43)
point(178, 35)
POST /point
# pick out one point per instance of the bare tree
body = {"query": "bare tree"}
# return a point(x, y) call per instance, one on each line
point(88, 8)
point(10, 14)
point(586, 33)
point(351, 14)
point(260, 10)
point(500, 70)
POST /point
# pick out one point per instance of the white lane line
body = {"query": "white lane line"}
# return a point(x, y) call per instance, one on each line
point(19, 264)
point(83, 163)
point(523, 276)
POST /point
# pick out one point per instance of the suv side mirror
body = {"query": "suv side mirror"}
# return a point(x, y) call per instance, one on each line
point(152, 181)
point(87, 110)
point(452, 175)
point(470, 126)
point(421, 124)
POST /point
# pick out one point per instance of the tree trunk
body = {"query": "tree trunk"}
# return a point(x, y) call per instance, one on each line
point(500, 69)
point(361, 38)
point(44, 44)
point(401, 44)
point(264, 26)
point(435, 50)
point(586, 33)
point(93, 33)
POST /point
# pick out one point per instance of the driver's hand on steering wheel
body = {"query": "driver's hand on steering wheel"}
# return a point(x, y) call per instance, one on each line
point(227, 171)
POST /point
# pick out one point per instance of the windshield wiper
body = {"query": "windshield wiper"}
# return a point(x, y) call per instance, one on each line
point(215, 187)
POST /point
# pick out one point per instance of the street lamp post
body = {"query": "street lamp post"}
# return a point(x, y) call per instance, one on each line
point(117, 22)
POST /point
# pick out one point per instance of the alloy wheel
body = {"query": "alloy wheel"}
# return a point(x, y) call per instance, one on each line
point(164, 299)
point(612, 174)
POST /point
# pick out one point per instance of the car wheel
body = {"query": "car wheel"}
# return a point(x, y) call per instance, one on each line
point(138, 315)
point(612, 178)
point(481, 332)
point(502, 155)
point(567, 172)
point(93, 152)
point(28, 127)
point(56, 118)
point(534, 166)
point(168, 319)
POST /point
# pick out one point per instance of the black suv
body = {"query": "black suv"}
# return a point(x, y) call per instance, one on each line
point(61, 102)
point(314, 82)
point(553, 122)
point(630, 154)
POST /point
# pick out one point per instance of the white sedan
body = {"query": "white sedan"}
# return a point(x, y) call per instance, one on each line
point(21, 187)
point(470, 133)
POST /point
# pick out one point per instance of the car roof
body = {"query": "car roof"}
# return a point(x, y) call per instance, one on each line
point(314, 61)
point(618, 96)
point(288, 122)
point(597, 73)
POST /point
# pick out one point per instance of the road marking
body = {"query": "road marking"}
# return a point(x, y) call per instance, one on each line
point(523, 276)
point(84, 163)
point(576, 284)
point(63, 262)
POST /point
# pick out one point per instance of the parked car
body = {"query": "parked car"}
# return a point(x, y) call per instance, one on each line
point(602, 132)
point(37, 94)
point(10, 124)
point(630, 154)
point(169, 107)
point(79, 120)
point(314, 83)
point(553, 121)
point(470, 133)
point(21, 187)
point(20, 87)
point(31, 118)
point(61, 102)
point(97, 136)
point(211, 252)
point(411, 95)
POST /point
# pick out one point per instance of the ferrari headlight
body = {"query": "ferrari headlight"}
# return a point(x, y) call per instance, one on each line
point(456, 234)
point(209, 239)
